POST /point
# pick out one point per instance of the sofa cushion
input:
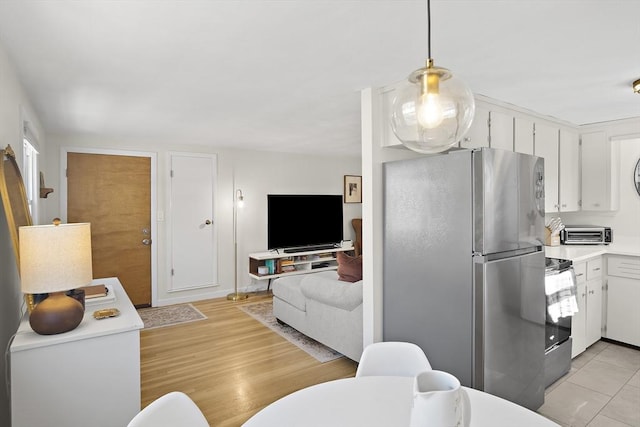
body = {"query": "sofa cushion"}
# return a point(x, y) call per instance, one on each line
point(343, 295)
point(349, 268)
point(287, 288)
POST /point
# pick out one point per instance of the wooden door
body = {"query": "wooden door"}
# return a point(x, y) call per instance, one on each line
point(113, 193)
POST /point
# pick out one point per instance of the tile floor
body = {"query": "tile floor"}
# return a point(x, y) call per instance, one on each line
point(601, 390)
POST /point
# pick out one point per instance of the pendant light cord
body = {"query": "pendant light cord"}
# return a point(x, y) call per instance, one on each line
point(429, 29)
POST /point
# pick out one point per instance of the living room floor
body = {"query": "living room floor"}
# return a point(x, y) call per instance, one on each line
point(233, 366)
point(602, 389)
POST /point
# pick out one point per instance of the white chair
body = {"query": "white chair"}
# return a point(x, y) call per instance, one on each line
point(402, 359)
point(174, 409)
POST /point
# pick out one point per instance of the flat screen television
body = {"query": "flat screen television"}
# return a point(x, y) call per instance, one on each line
point(298, 221)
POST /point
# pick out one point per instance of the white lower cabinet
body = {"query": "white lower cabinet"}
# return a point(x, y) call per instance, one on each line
point(623, 298)
point(89, 376)
point(578, 324)
point(593, 323)
point(586, 325)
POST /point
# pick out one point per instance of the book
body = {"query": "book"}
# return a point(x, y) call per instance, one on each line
point(95, 291)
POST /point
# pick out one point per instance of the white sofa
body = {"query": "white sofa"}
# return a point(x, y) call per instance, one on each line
point(323, 308)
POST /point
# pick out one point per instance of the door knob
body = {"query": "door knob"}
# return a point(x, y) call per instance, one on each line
point(146, 242)
point(208, 222)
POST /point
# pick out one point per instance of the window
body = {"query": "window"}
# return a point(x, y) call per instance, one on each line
point(30, 172)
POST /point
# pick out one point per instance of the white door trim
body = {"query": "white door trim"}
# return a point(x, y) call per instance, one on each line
point(154, 198)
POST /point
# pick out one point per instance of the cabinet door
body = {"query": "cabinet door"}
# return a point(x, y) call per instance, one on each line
point(546, 146)
point(523, 135)
point(593, 325)
point(578, 322)
point(599, 186)
point(569, 171)
point(478, 135)
point(501, 131)
point(623, 315)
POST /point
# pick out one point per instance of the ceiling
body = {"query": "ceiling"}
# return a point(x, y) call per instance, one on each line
point(286, 75)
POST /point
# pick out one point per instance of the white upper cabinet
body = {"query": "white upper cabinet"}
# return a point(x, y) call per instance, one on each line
point(478, 135)
point(599, 185)
point(546, 146)
point(523, 135)
point(569, 189)
point(501, 130)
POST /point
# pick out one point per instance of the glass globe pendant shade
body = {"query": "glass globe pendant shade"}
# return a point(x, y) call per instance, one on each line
point(432, 111)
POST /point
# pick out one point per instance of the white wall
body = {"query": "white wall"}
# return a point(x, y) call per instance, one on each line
point(14, 109)
point(373, 156)
point(256, 173)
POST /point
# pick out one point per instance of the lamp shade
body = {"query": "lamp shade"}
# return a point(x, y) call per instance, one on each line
point(55, 258)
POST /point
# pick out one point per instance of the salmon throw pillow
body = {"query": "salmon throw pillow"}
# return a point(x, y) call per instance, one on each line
point(349, 267)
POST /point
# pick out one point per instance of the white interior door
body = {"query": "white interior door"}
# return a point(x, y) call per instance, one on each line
point(193, 228)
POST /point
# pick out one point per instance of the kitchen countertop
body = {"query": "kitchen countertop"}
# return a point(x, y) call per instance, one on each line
point(621, 246)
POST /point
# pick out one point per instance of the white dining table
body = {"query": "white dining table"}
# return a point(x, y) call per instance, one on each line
point(381, 402)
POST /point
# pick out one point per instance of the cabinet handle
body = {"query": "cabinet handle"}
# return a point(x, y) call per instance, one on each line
point(564, 206)
point(580, 274)
point(596, 269)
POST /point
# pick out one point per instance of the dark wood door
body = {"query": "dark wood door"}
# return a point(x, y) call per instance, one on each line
point(113, 193)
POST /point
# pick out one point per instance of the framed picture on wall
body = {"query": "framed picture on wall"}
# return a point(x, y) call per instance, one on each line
point(352, 189)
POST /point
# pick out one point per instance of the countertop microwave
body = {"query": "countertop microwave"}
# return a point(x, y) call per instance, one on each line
point(586, 235)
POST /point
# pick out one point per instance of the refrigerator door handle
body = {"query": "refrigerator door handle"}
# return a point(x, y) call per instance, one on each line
point(480, 258)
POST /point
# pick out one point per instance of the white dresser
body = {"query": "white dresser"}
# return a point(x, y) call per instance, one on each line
point(86, 377)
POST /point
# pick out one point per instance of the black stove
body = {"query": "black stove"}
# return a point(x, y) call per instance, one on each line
point(557, 264)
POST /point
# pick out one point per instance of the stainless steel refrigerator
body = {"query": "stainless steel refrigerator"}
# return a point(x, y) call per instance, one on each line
point(464, 267)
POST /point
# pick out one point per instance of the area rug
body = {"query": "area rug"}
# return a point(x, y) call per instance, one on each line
point(158, 317)
point(263, 313)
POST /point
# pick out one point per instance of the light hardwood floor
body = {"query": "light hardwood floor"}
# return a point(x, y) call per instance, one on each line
point(229, 364)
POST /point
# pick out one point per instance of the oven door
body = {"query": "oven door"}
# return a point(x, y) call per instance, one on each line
point(558, 331)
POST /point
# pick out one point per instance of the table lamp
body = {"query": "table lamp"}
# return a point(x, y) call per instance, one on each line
point(55, 259)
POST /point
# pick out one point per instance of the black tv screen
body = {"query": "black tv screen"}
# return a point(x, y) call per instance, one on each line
point(296, 220)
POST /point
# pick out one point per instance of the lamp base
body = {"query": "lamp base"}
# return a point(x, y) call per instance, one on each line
point(56, 314)
point(237, 296)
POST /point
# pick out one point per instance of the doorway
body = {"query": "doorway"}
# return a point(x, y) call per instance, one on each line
point(114, 190)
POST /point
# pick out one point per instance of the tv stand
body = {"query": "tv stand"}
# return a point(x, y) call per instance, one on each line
point(308, 249)
point(292, 263)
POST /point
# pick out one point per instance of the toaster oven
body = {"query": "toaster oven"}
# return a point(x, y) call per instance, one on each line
point(586, 235)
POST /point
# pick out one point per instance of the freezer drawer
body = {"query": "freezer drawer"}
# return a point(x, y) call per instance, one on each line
point(510, 328)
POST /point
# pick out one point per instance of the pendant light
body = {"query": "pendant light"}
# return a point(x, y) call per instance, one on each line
point(433, 110)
